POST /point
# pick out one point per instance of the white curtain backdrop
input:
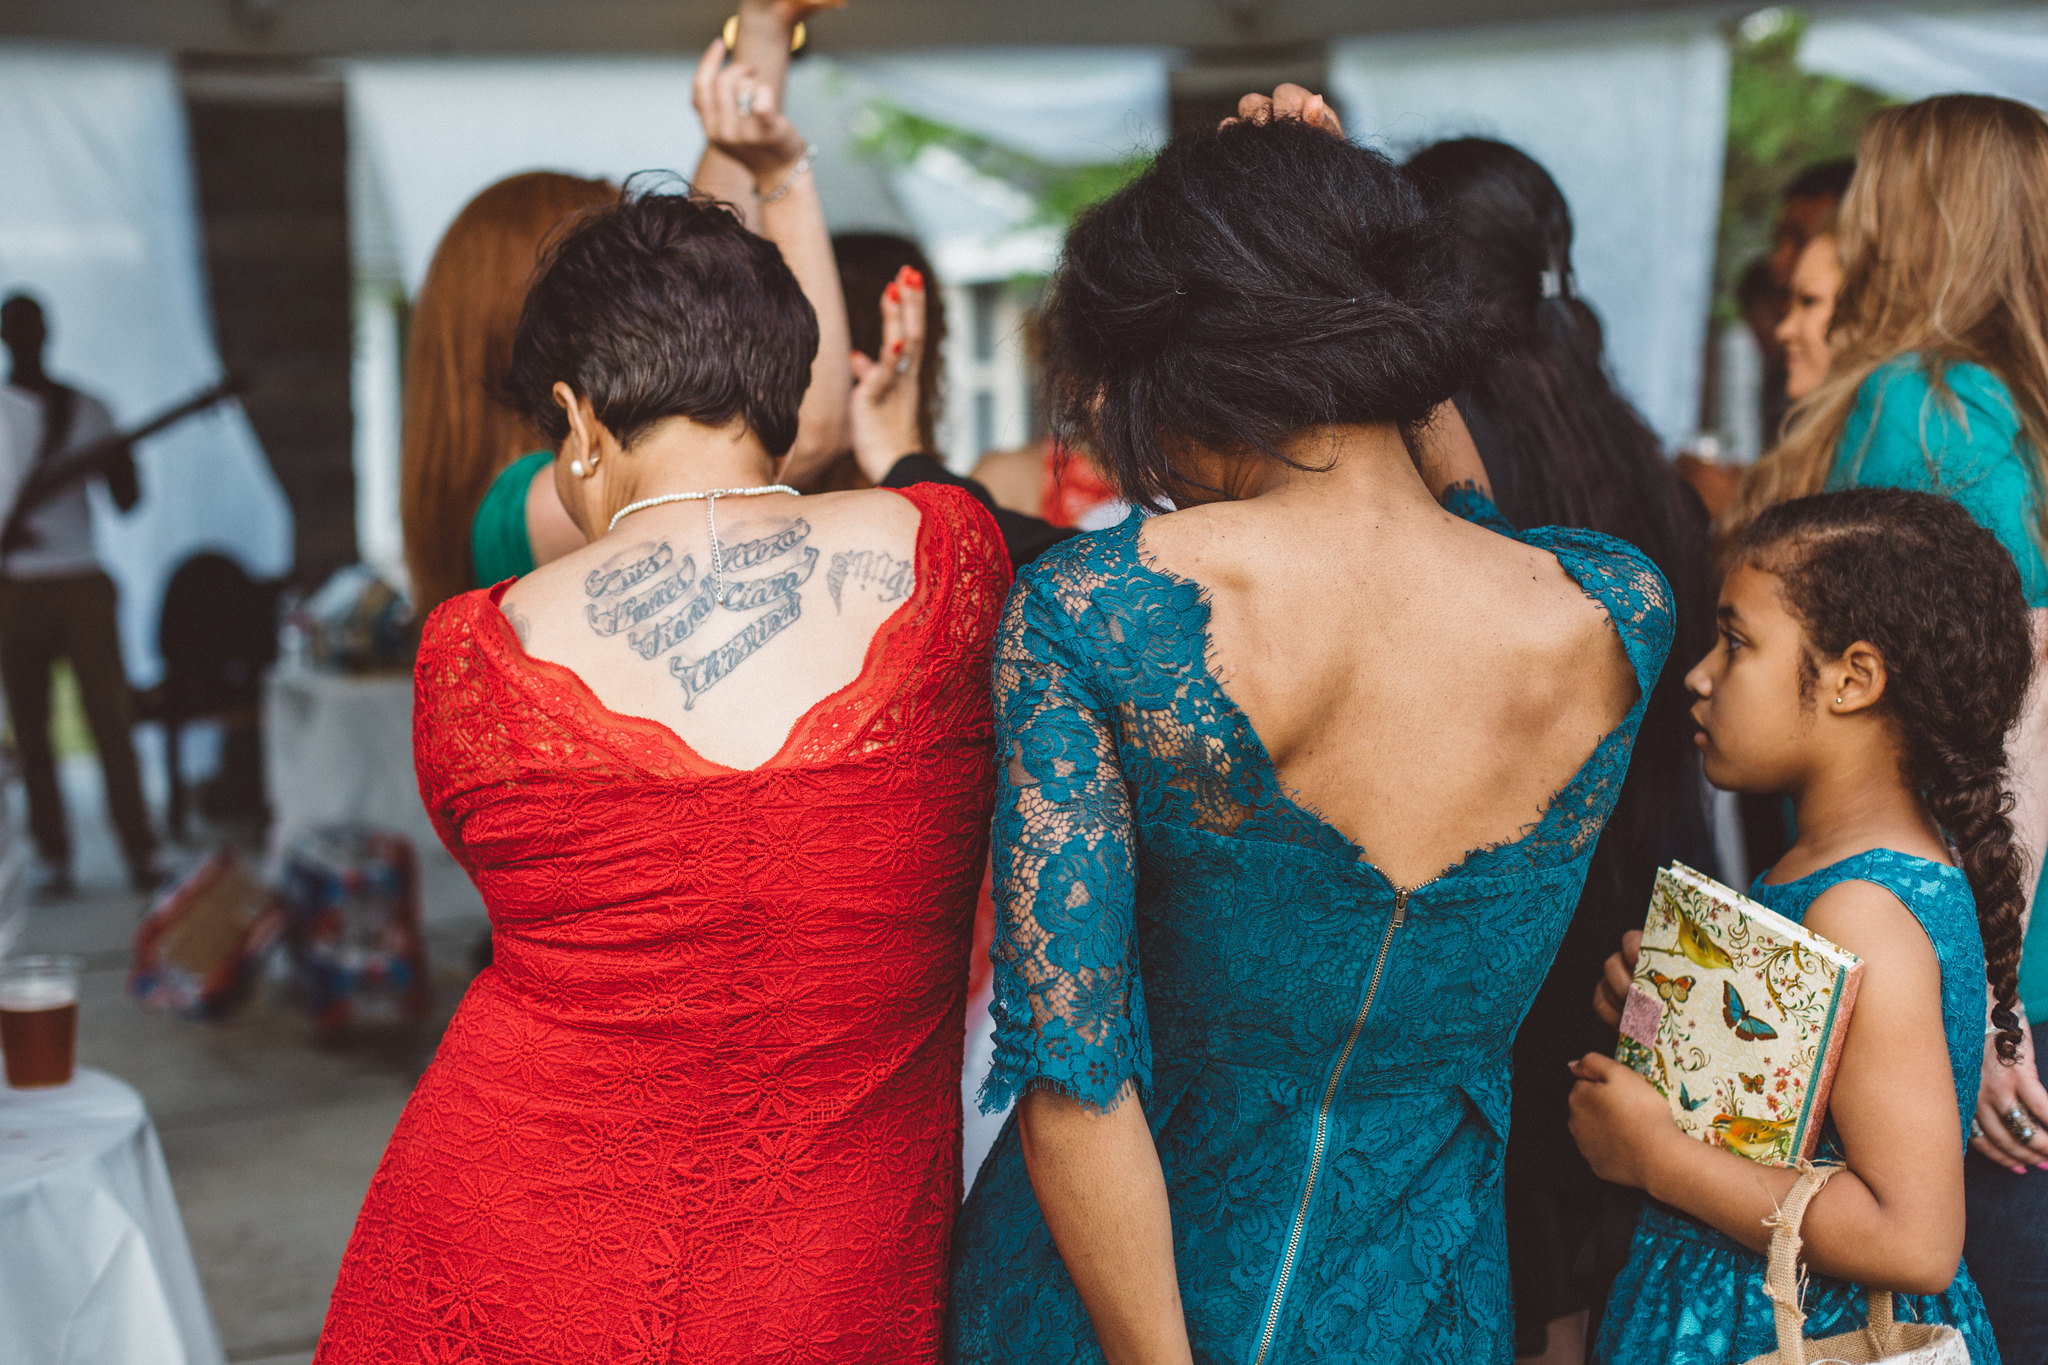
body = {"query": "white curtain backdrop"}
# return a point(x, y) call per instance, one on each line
point(1912, 56)
point(1630, 117)
point(427, 135)
point(1068, 106)
point(97, 220)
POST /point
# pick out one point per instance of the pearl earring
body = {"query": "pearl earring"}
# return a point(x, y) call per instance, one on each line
point(576, 468)
point(1838, 701)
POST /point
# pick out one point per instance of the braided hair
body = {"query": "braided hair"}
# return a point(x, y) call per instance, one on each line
point(1937, 595)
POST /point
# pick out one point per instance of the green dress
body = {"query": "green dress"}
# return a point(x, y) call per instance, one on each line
point(498, 544)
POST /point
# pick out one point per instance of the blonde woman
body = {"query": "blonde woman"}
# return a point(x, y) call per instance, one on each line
point(1937, 379)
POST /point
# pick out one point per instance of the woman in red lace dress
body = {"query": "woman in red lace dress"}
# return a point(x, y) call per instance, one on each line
point(723, 777)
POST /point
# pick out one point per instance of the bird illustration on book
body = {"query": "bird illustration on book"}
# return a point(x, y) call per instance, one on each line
point(1746, 1025)
point(1699, 947)
point(1672, 987)
point(1685, 1098)
point(1757, 1139)
point(1753, 1084)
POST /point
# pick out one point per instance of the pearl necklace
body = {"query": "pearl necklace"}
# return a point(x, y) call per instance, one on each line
point(709, 497)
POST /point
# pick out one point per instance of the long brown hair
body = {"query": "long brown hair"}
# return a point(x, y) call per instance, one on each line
point(458, 431)
point(1944, 241)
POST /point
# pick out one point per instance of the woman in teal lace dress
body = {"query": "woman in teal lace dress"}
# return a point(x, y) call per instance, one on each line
point(1875, 652)
point(1272, 895)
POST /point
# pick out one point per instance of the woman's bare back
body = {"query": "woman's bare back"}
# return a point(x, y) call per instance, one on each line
point(1422, 684)
point(807, 584)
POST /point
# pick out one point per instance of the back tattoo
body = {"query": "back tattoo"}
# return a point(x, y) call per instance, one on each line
point(659, 603)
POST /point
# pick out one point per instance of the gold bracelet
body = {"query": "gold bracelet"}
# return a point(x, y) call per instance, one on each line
point(731, 35)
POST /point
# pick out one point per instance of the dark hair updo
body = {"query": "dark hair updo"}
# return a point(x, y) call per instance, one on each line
point(664, 305)
point(1252, 284)
point(1941, 600)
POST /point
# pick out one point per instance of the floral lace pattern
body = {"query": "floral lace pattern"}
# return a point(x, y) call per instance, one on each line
point(1168, 916)
point(1691, 1296)
point(704, 1105)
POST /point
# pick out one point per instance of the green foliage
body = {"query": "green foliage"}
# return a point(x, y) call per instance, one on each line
point(1780, 121)
point(1059, 193)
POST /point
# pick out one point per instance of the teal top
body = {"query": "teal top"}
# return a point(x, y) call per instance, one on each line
point(1962, 439)
point(2034, 962)
point(499, 547)
point(1691, 1296)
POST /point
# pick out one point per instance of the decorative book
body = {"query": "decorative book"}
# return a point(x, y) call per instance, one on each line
point(1737, 1016)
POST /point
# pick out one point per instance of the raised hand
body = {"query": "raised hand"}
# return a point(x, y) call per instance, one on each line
point(743, 119)
point(1288, 101)
point(886, 393)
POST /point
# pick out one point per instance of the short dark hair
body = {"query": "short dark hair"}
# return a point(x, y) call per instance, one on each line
point(1823, 180)
point(1254, 283)
point(664, 305)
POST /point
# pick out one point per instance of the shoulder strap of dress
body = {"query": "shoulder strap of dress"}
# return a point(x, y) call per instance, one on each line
point(1622, 580)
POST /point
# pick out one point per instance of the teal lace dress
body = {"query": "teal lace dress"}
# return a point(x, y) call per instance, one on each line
point(1692, 1296)
point(1323, 1058)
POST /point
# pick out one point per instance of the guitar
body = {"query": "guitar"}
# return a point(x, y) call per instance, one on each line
point(53, 476)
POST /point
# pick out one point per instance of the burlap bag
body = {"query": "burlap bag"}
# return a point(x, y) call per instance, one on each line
point(1884, 1340)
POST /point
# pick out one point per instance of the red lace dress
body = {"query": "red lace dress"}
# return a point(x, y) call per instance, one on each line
point(705, 1103)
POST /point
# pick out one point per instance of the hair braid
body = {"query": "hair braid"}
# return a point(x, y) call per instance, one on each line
point(1966, 793)
point(1937, 595)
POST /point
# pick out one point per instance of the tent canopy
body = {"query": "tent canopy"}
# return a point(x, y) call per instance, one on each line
point(285, 28)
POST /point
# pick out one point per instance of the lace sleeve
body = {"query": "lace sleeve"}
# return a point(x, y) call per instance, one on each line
point(1069, 1007)
point(1465, 500)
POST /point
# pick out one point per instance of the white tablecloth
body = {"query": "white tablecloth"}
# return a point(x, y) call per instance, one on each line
point(338, 750)
point(94, 1266)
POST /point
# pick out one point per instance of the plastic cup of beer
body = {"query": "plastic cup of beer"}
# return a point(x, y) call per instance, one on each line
point(39, 1020)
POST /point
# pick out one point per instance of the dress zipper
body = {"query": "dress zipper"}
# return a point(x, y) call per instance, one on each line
point(1322, 1137)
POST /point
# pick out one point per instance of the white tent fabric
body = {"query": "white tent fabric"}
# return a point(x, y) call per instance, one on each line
point(1630, 117)
point(433, 133)
point(98, 222)
point(1068, 106)
point(436, 132)
point(1912, 56)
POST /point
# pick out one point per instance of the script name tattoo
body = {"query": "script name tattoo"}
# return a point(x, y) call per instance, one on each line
point(658, 602)
point(890, 578)
point(627, 612)
point(701, 676)
point(627, 570)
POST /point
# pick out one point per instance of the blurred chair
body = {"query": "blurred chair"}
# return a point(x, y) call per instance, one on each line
point(218, 633)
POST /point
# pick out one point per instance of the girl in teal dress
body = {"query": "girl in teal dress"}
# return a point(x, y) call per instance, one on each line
point(1874, 653)
point(1937, 379)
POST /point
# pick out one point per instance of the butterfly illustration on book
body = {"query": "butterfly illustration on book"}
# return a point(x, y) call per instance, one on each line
point(1685, 1098)
point(1672, 987)
point(1753, 1084)
point(1747, 1026)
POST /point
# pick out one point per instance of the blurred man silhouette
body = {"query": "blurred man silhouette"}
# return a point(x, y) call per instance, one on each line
point(57, 603)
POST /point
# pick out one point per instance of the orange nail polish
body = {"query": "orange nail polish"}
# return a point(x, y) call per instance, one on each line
point(892, 293)
point(915, 276)
point(895, 348)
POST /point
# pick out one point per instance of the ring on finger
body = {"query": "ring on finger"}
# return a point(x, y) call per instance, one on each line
point(2019, 1123)
point(744, 102)
point(903, 365)
point(1976, 1128)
